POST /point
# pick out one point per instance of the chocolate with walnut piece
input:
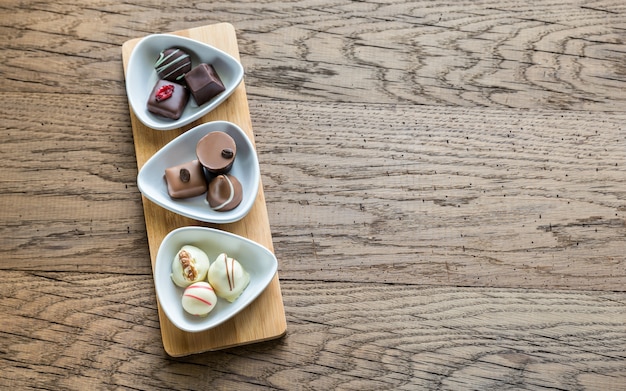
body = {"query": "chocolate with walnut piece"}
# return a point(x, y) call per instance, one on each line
point(190, 264)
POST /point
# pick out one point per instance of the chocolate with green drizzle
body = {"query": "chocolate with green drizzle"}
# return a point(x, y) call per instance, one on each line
point(173, 64)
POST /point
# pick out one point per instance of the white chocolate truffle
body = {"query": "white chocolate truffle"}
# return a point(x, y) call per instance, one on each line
point(199, 299)
point(228, 278)
point(189, 265)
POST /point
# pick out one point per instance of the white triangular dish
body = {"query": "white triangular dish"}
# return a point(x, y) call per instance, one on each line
point(182, 149)
point(141, 77)
point(257, 260)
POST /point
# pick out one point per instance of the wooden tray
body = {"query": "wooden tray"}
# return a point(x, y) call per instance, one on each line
point(264, 319)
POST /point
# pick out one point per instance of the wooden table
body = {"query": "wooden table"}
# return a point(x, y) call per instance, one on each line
point(445, 185)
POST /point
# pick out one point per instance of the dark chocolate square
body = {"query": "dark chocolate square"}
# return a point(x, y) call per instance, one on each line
point(204, 83)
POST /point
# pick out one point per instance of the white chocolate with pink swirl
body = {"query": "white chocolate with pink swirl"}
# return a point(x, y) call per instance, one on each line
point(199, 299)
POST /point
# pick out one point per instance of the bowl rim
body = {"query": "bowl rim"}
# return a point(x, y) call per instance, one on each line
point(208, 323)
point(163, 124)
point(208, 216)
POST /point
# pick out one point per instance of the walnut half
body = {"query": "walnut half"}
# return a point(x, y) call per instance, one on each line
point(189, 265)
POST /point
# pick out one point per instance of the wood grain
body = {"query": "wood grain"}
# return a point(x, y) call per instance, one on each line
point(429, 195)
point(444, 183)
point(76, 331)
point(558, 55)
point(410, 194)
point(76, 181)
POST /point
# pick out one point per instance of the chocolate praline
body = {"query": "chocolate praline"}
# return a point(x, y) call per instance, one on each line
point(225, 193)
point(216, 152)
point(204, 83)
point(171, 107)
point(185, 180)
point(173, 64)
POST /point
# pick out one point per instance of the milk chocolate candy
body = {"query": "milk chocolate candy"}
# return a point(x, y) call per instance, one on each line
point(225, 193)
point(168, 99)
point(216, 152)
point(186, 180)
point(204, 83)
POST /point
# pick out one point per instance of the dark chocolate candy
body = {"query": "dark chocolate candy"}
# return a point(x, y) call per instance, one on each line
point(204, 83)
point(172, 65)
point(168, 106)
point(216, 152)
point(186, 180)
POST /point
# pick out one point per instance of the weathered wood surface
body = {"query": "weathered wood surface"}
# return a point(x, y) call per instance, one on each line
point(390, 193)
point(66, 334)
point(531, 54)
point(445, 184)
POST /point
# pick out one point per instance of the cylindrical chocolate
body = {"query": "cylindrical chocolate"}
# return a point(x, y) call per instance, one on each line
point(216, 152)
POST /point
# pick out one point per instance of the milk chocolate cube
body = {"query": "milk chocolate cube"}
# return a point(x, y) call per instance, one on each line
point(204, 83)
point(185, 180)
point(216, 151)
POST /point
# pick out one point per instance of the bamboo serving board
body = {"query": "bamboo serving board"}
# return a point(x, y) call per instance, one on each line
point(262, 320)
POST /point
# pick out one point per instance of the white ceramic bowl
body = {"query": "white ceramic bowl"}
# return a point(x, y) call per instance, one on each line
point(141, 77)
point(182, 149)
point(257, 260)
